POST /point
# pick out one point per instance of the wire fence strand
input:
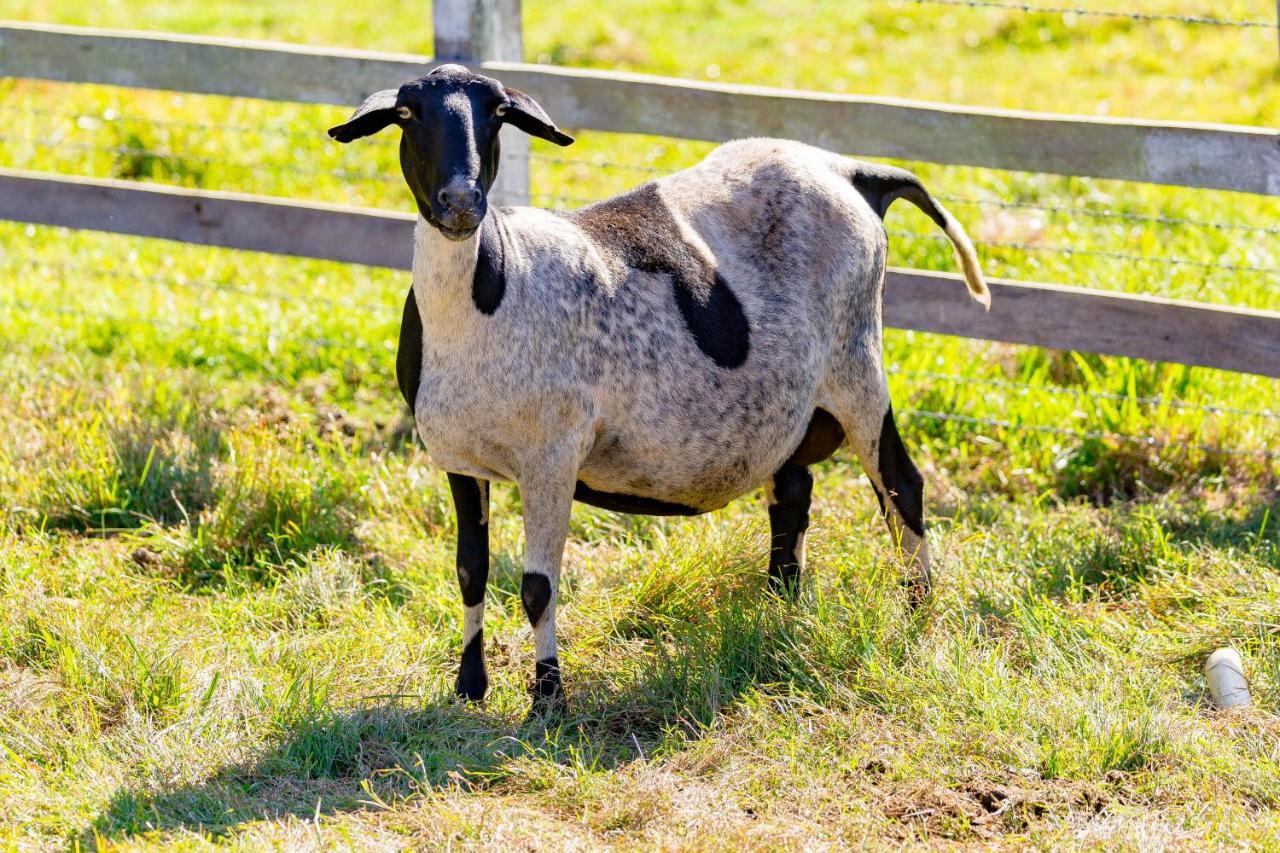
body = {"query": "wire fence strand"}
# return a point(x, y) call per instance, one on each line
point(205, 284)
point(1022, 247)
point(241, 334)
point(110, 116)
point(593, 163)
point(1109, 214)
point(246, 336)
point(1090, 435)
point(270, 341)
point(1101, 13)
point(1081, 393)
point(250, 167)
point(1099, 253)
point(174, 156)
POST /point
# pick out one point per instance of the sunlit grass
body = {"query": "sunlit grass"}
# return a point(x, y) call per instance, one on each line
point(230, 613)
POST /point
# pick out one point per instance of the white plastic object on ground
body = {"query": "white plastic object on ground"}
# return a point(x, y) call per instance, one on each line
point(1224, 673)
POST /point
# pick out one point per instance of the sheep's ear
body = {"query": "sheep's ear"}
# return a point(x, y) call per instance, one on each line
point(525, 113)
point(377, 111)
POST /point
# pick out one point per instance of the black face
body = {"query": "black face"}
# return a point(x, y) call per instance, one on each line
point(449, 148)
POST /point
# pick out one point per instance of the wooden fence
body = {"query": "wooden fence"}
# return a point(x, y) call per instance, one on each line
point(486, 33)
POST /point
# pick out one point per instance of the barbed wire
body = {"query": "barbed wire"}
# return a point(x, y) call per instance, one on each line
point(162, 154)
point(241, 334)
point(199, 284)
point(247, 336)
point(185, 124)
point(1101, 253)
point(1081, 393)
point(608, 164)
point(1017, 246)
point(597, 163)
point(1089, 435)
point(1099, 13)
point(316, 299)
point(1108, 214)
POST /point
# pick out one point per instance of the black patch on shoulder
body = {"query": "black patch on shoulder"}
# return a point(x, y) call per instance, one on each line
point(490, 282)
point(409, 353)
point(719, 325)
point(639, 227)
point(823, 438)
point(535, 594)
point(632, 504)
point(900, 477)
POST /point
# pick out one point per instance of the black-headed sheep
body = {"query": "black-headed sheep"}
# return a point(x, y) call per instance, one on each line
point(661, 352)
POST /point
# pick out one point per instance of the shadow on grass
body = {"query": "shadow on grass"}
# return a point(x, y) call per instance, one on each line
point(355, 760)
point(340, 762)
point(328, 762)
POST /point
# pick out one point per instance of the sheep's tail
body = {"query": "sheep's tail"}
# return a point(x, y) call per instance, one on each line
point(882, 185)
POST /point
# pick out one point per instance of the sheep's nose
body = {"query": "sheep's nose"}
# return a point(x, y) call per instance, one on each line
point(460, 199)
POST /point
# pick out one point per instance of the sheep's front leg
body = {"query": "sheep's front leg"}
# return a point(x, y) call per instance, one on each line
point(547, 496)
point(471, 506)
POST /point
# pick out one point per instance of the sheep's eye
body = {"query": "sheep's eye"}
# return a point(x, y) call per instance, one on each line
point(500, 110)
point(404, 112)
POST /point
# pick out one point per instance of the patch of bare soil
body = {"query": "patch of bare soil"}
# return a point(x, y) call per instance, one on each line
point(981, 808)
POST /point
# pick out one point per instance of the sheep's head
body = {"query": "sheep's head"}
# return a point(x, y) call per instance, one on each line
point(449, 144)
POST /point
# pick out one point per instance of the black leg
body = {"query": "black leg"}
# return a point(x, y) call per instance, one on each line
point(471, 504)
point(900, 477)
point(903, 505)
point(788, 521)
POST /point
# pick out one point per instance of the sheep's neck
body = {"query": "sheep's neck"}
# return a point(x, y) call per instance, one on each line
point(443, 271)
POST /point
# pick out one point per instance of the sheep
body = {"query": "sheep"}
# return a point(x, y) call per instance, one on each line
point(661, 352)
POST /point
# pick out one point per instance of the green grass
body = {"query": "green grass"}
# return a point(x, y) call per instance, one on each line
point(230, 614)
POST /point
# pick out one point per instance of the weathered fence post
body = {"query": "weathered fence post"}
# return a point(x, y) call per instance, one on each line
point(469, 31)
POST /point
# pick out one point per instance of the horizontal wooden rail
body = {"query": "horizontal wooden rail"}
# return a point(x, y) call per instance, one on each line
point(1223, 157)
point(1074, 318)
point(1038, 314)
point(280, 226)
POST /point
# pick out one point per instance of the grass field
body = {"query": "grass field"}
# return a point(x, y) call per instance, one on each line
point(230, 614)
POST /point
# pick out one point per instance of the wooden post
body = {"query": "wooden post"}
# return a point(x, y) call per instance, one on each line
point(471, 31)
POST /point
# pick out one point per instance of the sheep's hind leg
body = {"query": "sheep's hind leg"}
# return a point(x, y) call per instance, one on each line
point(900, 490)
point(868, 422)
point(788, 493)
point(471, 506)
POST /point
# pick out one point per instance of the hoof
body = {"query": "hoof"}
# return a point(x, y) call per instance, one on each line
point(786, 587)
point(548, 695)
point(919, 593)
point(471, 685)
point(547, 710)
